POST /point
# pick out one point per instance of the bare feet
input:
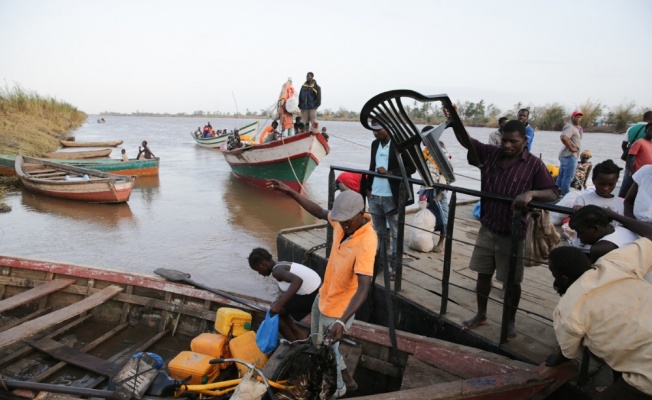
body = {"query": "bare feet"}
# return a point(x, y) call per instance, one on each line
point(474, 322)
point(439, 248)
point(511, 330)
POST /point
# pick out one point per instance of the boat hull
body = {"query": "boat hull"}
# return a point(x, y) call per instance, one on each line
point(216, 142)
point(144, 167)
point(73, 183)
point(290, 160)
point(72, 143)
point(75, 155)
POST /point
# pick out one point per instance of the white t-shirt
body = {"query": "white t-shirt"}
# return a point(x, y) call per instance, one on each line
point(643, 202)
point(311, 279)
point(615, 203)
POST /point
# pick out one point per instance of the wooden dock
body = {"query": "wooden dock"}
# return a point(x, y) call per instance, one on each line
point(417, 305)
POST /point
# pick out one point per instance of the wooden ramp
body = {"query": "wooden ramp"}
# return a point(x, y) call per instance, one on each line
point(31, 327)
point(34, 293)
point(422, 287)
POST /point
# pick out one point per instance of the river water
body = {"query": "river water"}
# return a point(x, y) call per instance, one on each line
point(195, 216)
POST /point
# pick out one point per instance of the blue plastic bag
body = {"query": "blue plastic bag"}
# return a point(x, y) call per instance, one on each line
point(476, 210)
point(267, 334)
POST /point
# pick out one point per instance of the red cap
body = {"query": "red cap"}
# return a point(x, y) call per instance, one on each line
point(577, 112)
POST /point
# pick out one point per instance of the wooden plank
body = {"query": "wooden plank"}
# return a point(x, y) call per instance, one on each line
point(419, 374)
point(34, 293)
point(17, 322)
point(29, 328)
point(75, 357)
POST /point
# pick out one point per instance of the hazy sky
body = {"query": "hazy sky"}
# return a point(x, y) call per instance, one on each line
point(184, 56)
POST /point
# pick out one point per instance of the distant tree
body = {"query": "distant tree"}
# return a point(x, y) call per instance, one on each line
point(621, 115)
point(591, 112)
point(551, 117)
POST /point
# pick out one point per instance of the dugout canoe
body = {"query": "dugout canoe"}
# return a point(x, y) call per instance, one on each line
point(73, 143)
point(74, 183)
point(135, 167)
point(76, 155)
point(71, 327)
point(290, 160)
point(215, 142)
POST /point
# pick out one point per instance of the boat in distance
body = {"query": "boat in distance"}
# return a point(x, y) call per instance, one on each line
point(290, 160)
point(75, 155)
point(135, 167)
point(81, 324)
point(249, 130)
point(74, 183)
point(73, 143)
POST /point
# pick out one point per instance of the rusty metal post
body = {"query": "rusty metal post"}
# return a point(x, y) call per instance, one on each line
point(399, 237)
point(331, 199)
point(448, 253)
point(511, 274)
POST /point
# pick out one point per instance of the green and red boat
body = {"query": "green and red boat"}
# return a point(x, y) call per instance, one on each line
point(144, 167)
point(290, 160)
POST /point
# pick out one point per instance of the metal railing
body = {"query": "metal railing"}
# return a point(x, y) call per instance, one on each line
point(448, 245)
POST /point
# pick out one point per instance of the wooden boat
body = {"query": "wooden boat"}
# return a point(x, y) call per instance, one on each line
point(74, 183)
point(76, 155)
point(135, 167)
point(215, 142)
point(73, 143)
point(290, 159)
point(79, 325)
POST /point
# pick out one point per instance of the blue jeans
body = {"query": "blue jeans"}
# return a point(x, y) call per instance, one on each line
point(567, 167)
point(379, 207)
point(438, 208)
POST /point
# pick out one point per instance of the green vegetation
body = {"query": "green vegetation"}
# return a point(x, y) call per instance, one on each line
point(550, 117)
point(33, 124)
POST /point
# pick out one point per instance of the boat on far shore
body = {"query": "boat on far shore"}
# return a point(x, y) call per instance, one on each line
point(76, 155)
point(73, 143)
point(135, 167)
point(74, 183)
point(248, 130)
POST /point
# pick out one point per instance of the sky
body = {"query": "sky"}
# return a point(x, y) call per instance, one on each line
point(229, 56)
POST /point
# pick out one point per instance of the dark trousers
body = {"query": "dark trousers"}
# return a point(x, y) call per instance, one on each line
point(621, 390)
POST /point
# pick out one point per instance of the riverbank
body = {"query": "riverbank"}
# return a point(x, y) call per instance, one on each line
point(32, 124)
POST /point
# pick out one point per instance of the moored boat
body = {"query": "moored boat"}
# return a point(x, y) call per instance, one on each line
point(290, 160)
point(215, 142)
point(79, 325)
point(75, 155)
point(69, 182)
point(73, 143)
point(135, 167)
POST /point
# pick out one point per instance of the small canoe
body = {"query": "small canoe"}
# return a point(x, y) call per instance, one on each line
point(135, 167)
point(215, 142)
point(72, 143)
point(80, 324)
point(76, 155)
point(74, 183)
point(291, 159)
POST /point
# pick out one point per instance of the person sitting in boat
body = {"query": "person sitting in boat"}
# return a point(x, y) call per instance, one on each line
point(300, 285)
point(198, 132)
point(144, 152)
point(324, 134)
point(268, 132)
point(124, 155)
point(233, 141)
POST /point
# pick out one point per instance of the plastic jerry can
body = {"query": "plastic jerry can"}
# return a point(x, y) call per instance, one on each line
point(227, 317)
point(212, 344)
point(244, 348)
point(195, 365)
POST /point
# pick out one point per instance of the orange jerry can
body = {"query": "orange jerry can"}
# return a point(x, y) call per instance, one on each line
point(244, 348)
point(227, 317)
point(212, 344)
point(195, 365)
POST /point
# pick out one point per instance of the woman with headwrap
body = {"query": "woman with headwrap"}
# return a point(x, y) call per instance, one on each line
point(582, 171)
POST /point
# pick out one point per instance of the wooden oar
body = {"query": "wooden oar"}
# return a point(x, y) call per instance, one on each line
point(178, 276)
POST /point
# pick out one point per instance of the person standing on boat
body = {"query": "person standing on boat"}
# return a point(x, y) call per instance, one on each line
point(309, 100)
point(347, 278)
point(634, 133)
point(382, 193)
point(494, 137)
point(285, 102)
point(606, 307)
point(509, 170)
point(300, 285)
point(523, 115)
point(571, 138)
point(144, 152)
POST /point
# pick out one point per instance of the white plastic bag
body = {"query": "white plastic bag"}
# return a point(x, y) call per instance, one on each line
point(422, 237)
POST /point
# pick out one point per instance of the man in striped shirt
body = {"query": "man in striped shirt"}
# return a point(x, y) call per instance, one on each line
point(509, 170)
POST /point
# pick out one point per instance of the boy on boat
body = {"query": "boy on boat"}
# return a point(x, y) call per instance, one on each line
point(300, 284)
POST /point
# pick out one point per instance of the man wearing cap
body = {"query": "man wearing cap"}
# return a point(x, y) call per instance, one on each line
point(571, 138)
point(309, 100)
point(383, 193)
point(349, 270)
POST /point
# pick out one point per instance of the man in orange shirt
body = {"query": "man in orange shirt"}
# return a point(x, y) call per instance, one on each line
point(348, 273)
point(640, 153)
point(268, 132)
